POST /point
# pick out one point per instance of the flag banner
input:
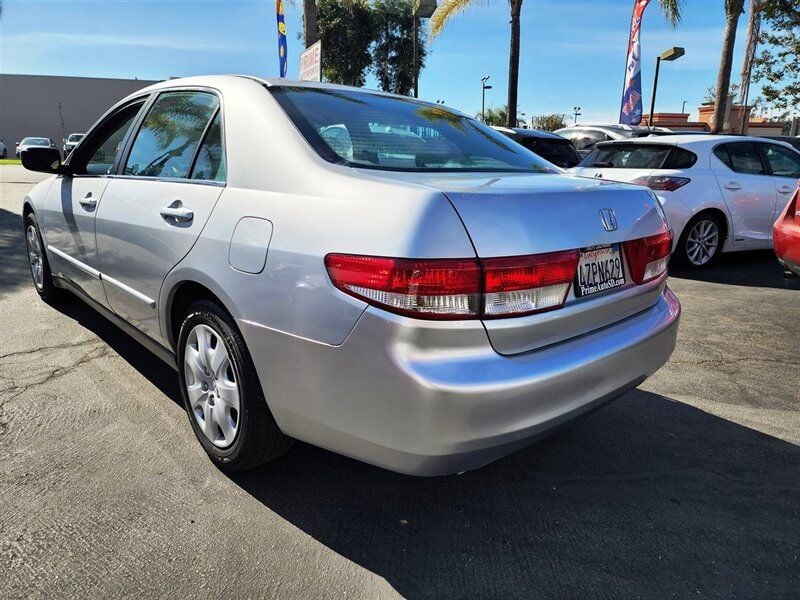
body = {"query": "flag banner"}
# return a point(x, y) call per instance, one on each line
point(281, 37)
point(631, 111)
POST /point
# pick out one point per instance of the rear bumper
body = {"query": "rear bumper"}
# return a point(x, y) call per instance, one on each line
point(427, 398)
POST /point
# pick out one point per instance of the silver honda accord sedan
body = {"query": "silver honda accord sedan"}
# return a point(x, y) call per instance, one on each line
point(379, 276)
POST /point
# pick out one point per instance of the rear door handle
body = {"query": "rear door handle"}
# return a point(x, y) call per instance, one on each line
point(733, 186)
point(786, 189)
point(88, 202)
point(177, 211)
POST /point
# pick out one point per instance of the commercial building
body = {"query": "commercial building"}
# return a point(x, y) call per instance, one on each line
point(54, 107)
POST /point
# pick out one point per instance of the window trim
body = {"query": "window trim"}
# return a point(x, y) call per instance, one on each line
point(120, 168)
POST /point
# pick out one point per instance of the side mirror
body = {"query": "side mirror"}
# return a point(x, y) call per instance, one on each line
point(43, 160)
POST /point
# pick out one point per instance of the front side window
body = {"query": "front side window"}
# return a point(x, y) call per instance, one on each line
point(741, 157)
point(378, 132)
point(782, 161)
point(166, 143)
point(98, 153)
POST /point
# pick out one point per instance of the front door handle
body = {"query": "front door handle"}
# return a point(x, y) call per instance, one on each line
point(177, 211)
point(786, 189)
point(88, 202)
point(733, 186)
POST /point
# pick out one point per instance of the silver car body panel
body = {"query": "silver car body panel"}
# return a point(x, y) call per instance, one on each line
point(417, 396)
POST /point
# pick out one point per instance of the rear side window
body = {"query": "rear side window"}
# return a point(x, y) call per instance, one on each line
point(584, 139)
point(166, 143)
point(741, 157)
point(678, 158)
point(628, 156)
point(210, 162)
point(560, 153)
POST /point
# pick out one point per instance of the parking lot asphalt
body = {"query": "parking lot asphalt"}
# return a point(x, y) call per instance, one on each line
point(687, 486)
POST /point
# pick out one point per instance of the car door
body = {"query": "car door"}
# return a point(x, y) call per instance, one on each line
point(784, 168)
point(69, 210)
point(748, 191)
point(155, 208)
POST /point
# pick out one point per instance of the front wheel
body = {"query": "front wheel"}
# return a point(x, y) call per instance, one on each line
point(37, 260)
point(701, 242)
point(221, 391)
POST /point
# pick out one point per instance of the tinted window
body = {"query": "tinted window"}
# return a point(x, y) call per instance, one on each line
point(560, 153)
point(721, 153)
point(210, 162)
point(587, 138)
point(170, 133)
point(678, 158)
point(627, 156)
point(379, 132)
point(743, 158)
point(782, 161)
point(103, 146)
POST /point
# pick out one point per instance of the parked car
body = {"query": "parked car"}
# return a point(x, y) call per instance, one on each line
point(786, 235)
point(720, 193)
point(792, 141)
point(71, 141)
point(585, 136)
point(426, 307)
point(551, 147)
point(34, 142)
point(3, 149)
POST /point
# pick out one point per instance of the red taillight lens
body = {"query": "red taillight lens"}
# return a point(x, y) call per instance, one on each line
point(527, 284)
point(663, 183)
point(648, 257)
point(432, 288)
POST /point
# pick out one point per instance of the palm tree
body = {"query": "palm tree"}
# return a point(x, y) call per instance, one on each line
point(449, 8)
point(733, 8)
point(310, 21)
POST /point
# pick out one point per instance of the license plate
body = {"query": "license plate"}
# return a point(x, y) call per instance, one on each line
point(599, 270)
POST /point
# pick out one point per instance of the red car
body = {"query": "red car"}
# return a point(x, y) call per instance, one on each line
point(786, 235)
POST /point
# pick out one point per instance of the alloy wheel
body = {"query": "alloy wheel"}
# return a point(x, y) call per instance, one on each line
point(211, 386)
point(35, 256)
point(702, 242)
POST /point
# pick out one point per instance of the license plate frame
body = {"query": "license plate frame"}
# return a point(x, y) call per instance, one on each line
point(600, 269)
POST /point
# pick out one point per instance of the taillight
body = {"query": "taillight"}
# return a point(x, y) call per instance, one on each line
point(523, 285)
point(425, 288)
point(663, 183)
point(648, 257)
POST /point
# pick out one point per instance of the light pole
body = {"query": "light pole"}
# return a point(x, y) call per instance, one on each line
point(484, 87)
point(576, 111)
point(423, 9)
point(673, 53)
point(683, 107)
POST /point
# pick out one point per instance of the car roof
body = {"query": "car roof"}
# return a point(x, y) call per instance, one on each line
point(524, 132)
point(690, 140)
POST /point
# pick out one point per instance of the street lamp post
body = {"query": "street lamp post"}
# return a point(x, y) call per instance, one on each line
point(683, 107)
point(673, 53)
point(484, 87)
point(423, 9)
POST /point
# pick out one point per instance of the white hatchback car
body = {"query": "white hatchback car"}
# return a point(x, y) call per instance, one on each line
point(720, 193)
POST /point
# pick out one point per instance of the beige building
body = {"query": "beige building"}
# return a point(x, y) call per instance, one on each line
point(54, 106)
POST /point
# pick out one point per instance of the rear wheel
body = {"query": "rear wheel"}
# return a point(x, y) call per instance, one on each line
point(701, 241)
point(221, 391)
point(37, 260)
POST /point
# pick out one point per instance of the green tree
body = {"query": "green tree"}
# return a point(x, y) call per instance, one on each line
point(733, 9)
point(496, 116)
point(449, 8)
point(778, 63)
point(347, 31)
point(393, 49)
point(549, 122)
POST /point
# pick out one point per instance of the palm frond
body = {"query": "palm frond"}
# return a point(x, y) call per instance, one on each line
point(447, 10)
point(671, 10)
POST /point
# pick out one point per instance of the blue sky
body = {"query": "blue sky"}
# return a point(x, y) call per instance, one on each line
point(572, 53)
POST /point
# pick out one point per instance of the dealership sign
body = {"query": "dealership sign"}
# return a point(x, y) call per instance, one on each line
point(311, 63)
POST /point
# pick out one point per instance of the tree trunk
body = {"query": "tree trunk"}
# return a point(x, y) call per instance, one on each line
point(310, 21)
point(733, 8)
point(513, 64)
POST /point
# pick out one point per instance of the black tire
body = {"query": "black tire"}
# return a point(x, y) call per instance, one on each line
point(258, 439)
point(5, 153)
point(47, 290)
point(682, 257)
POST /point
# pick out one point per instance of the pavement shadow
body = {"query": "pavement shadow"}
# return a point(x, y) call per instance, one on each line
point(753, 268)
point(14, 269)
point(648, 497)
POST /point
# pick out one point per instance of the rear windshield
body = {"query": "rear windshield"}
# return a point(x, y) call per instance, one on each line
point(559, 152)
point(639, 156)
point(397, 134)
